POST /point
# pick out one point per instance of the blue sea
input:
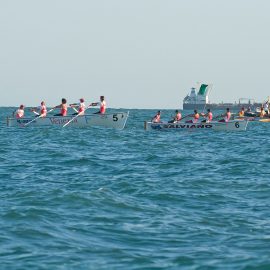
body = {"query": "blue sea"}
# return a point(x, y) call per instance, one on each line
point(95, 198)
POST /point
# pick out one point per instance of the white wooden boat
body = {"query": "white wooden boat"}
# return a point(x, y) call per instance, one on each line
point(233, 125)
point(109, 120)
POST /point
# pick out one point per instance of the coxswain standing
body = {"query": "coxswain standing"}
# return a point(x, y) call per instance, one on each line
point(80, 106)
point(102, 105)
point(227, 116)
point(156, 118)
point(20, 112)
point(63, 107)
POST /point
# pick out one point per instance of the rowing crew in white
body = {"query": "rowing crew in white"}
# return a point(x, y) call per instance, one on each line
point(79, 108)
point(195, 117)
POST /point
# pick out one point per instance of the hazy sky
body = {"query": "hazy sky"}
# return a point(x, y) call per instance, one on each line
point(139, 54)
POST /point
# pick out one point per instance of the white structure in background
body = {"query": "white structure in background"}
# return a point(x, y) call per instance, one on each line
point(198, 98)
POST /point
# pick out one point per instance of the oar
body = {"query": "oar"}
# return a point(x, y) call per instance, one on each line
point(218, 116)
point(72, 119)
point(35, 112)
point(264, 120)
point(32, 121)
point(51, 110)
point(37, 118)
point(74, 109)
point(72, 106)
point(203, 109)
point(186, 116)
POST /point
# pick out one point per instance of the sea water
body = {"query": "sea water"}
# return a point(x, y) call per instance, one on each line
point(95, 198)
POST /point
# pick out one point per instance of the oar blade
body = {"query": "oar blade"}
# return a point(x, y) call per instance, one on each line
point(264, 120)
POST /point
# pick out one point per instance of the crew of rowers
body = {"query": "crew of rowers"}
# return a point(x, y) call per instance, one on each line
point(195, 117)
point(79, 108)
point(264, 111)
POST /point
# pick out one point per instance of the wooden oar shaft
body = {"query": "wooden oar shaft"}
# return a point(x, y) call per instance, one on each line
point(32, 121)
point(220, 115)
point(264, 120)
point(186, 116)
point(72, 119)
point(37, 118)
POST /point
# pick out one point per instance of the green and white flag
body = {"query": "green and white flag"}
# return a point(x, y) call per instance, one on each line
point(203, 89)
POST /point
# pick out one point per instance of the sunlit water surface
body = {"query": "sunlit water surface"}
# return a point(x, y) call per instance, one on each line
point(95, 198)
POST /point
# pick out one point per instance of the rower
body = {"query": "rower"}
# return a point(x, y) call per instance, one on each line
point(227, 116)
point(242, 112)
point(63, 107)
point(266, 107)
point(176, 118)
point(262, 112)
point(80, 105)
point(156, 118)
point(20, 112)
point(208, 115)
point(42, 110)
point(195, 116)
point(102, 104)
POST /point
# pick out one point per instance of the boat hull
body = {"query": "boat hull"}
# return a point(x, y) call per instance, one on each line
point(234, 125)
point(111, 120)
